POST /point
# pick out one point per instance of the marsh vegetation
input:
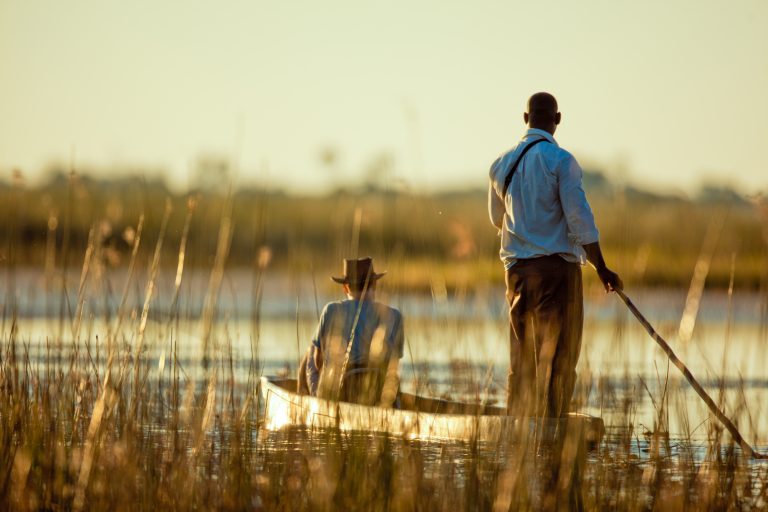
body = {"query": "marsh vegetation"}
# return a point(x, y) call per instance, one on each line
point(134, 331)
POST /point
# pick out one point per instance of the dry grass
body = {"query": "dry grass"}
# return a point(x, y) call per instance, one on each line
point(94, 422)
point(69, 440)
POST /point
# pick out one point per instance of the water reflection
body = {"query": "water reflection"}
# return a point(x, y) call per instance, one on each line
point(324, 467)
point(455, 348)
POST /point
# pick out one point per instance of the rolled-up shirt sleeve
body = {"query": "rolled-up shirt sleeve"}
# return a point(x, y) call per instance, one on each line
point(578, 215)
point(496, 206)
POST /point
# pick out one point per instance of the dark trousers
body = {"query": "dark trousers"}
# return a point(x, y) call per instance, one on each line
point(545, 318)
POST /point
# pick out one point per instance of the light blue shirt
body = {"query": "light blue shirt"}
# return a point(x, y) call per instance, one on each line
point(377, 337)
point(545, 210)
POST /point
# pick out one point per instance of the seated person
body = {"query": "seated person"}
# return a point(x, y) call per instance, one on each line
point(357, 338)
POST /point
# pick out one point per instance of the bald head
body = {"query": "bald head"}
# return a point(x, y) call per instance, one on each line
point(542, 112)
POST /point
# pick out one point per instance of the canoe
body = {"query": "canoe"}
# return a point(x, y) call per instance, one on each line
point(417, 418)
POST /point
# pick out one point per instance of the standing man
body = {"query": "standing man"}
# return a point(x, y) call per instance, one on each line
point(356, 350)
point(547, 232)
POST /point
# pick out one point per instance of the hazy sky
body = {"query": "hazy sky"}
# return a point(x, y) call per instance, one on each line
point(665, 94)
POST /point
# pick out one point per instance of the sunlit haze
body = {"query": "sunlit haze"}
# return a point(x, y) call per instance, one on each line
point(664, 95)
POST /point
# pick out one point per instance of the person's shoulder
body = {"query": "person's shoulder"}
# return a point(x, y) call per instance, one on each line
point(508, 153)
point(553, 147)
point(558, 156)
point(502, 160)
point(333, 306)
point(389, 310)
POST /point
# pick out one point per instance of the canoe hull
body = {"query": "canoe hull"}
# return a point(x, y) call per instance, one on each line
point(284, 408)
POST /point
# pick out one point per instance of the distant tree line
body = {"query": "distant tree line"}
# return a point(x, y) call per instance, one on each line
point(658, 238)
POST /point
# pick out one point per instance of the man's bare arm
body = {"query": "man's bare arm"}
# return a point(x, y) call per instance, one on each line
point(610, 279)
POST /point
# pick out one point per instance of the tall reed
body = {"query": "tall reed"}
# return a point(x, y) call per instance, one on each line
point(84, 432)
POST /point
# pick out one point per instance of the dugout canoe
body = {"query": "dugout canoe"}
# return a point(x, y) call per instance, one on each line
point(417, 418)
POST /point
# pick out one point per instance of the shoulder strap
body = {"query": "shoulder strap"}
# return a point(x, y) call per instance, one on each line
point(508, 179)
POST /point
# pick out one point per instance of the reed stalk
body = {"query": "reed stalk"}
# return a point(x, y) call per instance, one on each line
point(217, 275)
point(700, 272)
point(148, 295)
point(174, 311)
point(115, 331)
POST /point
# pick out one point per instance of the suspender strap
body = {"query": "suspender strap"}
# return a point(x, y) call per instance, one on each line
point(508, 179)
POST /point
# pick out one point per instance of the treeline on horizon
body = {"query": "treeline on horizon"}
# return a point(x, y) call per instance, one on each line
point(651, 239)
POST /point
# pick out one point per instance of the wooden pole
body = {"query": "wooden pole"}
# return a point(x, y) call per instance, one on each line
point(727, 423)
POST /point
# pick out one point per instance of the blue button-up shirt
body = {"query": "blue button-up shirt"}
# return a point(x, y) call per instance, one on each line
point(377, 341)
point(545, 210)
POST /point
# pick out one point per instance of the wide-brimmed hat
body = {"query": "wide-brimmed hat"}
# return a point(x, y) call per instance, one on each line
point(356, 271)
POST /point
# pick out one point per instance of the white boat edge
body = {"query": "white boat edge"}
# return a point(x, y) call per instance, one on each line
point(284, 408)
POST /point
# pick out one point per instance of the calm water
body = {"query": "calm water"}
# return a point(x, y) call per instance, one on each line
point(456, 346)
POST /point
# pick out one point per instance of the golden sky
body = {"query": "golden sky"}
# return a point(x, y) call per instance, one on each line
point(663, 94)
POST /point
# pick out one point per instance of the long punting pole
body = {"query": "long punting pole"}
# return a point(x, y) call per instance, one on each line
point(745, 446)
